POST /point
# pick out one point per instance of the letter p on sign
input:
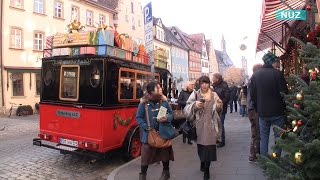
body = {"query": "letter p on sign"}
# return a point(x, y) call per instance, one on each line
point(147, 13)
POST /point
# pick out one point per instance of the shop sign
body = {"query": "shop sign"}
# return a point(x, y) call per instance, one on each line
point(161, 54)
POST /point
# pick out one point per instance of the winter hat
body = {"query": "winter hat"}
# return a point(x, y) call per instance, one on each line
point(270, 58)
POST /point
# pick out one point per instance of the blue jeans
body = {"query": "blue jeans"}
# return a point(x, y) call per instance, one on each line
point(265, 124)
point(243, 110)
point(240, 108)
point(222, 117)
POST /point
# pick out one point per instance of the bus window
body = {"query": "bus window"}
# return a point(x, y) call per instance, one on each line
point(69, 82)
point(133, 83)
point(127, 81)
point(142, 82)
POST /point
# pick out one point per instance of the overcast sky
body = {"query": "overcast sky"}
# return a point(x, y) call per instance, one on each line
point(234, 18)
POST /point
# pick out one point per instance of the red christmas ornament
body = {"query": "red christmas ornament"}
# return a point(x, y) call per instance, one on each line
point(314, 75)
point(308, 8)
point(299, 123)
point(297, 106)
point(311, 37)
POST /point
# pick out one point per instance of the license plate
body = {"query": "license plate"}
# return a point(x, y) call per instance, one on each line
point(69, 142)
point(67, 148)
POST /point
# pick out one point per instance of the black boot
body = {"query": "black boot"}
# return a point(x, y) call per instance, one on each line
point(165, 175)
point(202, 167)
point(189, 142)
point(142, 176)
point(183, 138)
point(220, 145)
point(206, 174)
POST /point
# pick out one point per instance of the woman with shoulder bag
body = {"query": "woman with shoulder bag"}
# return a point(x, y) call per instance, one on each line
point(146, 117)
point(202, 109)
point(182, 100)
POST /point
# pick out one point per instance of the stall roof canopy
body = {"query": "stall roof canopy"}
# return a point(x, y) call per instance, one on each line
point(272, 27)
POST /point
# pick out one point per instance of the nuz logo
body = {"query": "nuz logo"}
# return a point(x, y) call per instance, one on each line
point(291, 15)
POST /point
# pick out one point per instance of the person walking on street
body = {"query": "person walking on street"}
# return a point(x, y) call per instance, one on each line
point(182, 99)
point(254, 120)
point(152, 100)
point(233, 98)
point(204, 106)
point(243, 100)
point(266, 88)
point(222, 89)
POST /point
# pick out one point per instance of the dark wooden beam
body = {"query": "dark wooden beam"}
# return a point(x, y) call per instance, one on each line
point(275, 42)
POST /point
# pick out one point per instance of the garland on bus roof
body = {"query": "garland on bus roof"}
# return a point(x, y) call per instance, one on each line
point(123, 122)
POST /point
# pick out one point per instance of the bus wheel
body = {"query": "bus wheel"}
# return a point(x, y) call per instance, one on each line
point(133, 145)
point(135, 148)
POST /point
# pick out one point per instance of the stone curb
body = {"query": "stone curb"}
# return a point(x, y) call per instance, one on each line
point(113, 174)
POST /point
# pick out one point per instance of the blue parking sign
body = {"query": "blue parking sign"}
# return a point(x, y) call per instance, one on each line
point(147, 13)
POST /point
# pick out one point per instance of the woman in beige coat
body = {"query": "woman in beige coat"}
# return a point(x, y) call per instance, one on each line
point(202, 109)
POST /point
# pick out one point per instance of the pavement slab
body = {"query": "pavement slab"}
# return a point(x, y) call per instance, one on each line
point(232, 160)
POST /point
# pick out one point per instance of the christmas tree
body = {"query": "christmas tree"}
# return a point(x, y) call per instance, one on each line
point(300, 139)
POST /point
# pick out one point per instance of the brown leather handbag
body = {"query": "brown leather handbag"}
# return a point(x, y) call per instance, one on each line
point(154, 138)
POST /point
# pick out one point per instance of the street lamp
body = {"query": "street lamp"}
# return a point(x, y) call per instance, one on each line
point(243, 48)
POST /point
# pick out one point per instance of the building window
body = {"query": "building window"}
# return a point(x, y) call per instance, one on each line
point(16, 38)
point(39, 6)
point(102, 19)
point(132, 10)
point(89, 18)
point(17, 84)
point(38, 41)
point(126, 16)
point(16, 4)
point(133, 24)
point(75, 13)
point(38, 84)
point(58, 9)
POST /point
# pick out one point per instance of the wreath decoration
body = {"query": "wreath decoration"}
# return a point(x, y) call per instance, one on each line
point(122, 122)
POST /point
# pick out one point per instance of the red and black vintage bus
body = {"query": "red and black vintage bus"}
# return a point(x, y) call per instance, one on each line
point(88, 103)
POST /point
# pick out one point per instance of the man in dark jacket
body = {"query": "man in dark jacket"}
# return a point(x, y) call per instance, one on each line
point(266, 85)
point(182, 99)
point(222, 89)
point(233, 97)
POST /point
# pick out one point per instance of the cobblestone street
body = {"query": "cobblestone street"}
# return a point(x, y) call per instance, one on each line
point(19, 159)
